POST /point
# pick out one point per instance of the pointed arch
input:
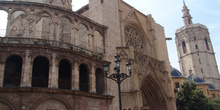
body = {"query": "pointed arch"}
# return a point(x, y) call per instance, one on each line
point(206, 43)
point(135, 36)
point(184, 47)
point(153, 92)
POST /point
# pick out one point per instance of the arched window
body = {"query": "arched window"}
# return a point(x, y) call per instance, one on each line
point(65, 26)
point(206, 43)
point(83, 78)
point(64, 75)
point(3, 19)
point(100, 85)
point(83, 36)
point(13, 67)
point(177, 85)
point(98, 42)
point(17, 21)
point(43, 25)
point(40, 72)
point(184, 47)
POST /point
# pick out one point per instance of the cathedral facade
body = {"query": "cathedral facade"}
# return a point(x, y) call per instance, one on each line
point(195, 51)
point(51, 57)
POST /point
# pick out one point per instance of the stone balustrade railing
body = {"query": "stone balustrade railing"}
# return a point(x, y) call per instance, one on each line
point(50, 43)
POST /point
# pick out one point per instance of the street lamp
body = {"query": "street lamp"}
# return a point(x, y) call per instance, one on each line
point(117, 76)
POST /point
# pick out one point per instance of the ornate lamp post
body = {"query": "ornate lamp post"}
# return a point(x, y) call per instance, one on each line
point(117, 76)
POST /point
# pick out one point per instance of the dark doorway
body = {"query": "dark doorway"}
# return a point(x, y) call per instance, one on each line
point(64, 75)
point(13, 67)
point(83, 78)
point(100, 85)
point(40, 72)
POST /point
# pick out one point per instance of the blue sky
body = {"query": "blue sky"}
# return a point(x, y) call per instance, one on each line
point(168, 14)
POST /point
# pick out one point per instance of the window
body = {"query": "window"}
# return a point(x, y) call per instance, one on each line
point(40, 72)
point(208, 91)
point(83, 78)
point(194, 38)
point(184, 47)
point(100, 85)
point(201, 70)
point(13, 68)
point(206, 43)
point(134, 38)
point(189, 21)
point(213, 95)
point(196, 46)
point(64, 75)
point(199, 61)
point(177, 85)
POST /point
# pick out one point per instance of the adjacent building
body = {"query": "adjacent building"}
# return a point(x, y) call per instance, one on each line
point(196, 57)
point(51, 57)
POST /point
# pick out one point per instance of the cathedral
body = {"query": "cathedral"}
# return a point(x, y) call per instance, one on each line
point(52, 58)
point(196, 57)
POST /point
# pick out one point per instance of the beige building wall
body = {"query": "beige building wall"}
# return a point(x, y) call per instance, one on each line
point(73, 37)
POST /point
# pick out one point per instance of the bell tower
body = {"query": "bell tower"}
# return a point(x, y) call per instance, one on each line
point(195, 50)
point(187, 19)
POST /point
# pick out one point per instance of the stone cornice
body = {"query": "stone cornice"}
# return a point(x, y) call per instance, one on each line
point(55, 91)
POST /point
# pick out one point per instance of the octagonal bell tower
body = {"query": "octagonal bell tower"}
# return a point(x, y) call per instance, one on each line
point(195, 50)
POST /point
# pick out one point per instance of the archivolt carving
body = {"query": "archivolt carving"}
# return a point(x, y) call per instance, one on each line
point(142, 62)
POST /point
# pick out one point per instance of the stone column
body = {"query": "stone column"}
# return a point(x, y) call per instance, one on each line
point(92, 79)
point(9, 20)
point(77, 37)
point(53, 74)
point(2, 69)
point(75, 76)
point(89, 46)
point(26, 76)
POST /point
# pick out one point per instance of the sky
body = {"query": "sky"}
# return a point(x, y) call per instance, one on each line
point(168, 13)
